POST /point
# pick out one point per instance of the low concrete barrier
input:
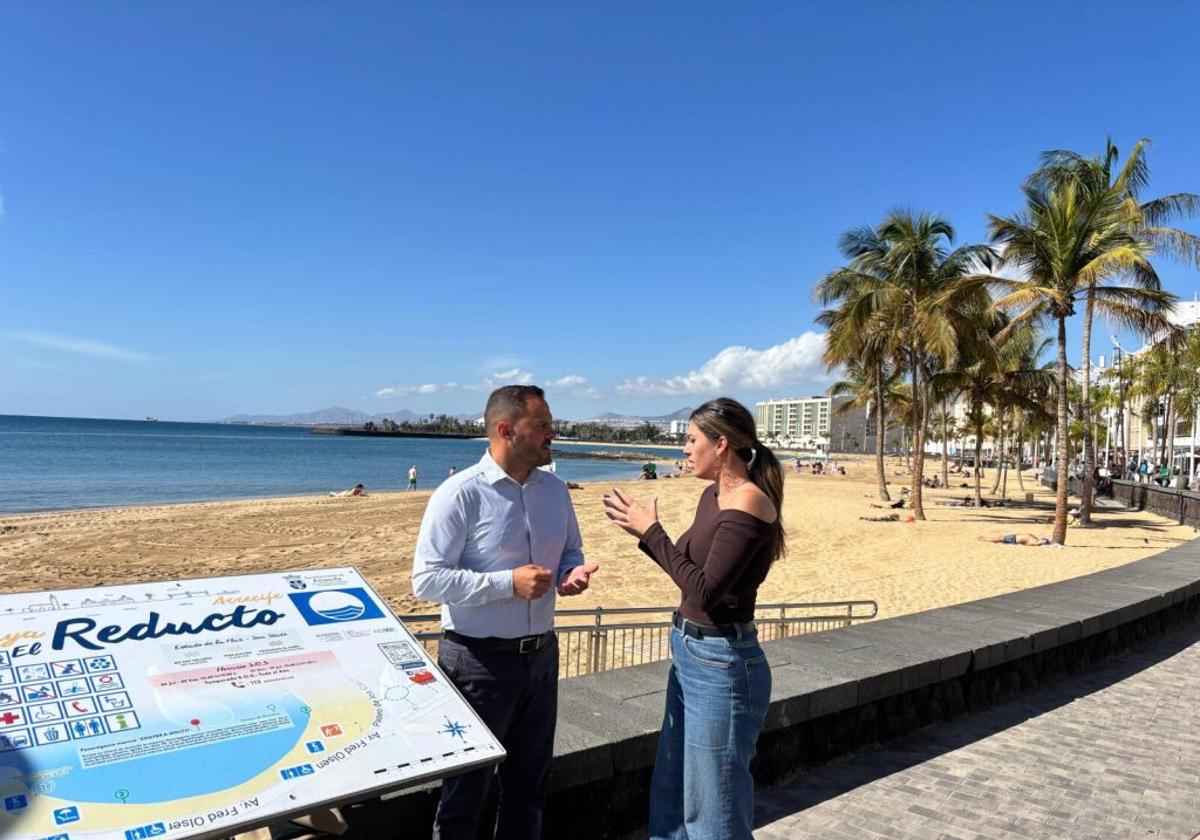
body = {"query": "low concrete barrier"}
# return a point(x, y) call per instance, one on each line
point(841, 690)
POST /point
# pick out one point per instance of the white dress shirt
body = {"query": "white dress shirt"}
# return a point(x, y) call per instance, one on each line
point(480, 525)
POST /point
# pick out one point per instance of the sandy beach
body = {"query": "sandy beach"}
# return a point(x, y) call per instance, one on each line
point(906, 567)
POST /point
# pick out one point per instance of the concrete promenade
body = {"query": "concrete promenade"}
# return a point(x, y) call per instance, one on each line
point(1111, 753)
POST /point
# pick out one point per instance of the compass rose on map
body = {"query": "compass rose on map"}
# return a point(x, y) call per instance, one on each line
point(455, 729)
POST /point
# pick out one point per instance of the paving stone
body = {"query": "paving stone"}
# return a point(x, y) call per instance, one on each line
point(1108, 754)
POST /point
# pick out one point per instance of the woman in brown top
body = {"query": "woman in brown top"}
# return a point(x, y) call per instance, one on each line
point(719, 684)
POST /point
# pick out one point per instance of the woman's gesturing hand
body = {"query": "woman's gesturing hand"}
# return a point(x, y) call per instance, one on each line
point(631, 516)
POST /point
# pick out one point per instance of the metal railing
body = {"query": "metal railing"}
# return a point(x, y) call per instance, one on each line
point(589, 641)
point(1180, 505)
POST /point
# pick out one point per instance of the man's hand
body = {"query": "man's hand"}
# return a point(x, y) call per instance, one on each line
point(577, 579)
point(531, 582)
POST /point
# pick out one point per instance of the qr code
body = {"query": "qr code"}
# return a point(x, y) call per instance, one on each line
point(401, 654)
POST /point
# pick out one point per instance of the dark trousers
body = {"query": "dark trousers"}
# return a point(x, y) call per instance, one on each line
point(516, 695)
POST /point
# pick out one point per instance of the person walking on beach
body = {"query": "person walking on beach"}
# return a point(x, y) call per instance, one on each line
point(412, 477)
point(497, 541)
point(719, 684)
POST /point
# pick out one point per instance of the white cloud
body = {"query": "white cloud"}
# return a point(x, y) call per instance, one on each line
point(71, 344)
point(406, 390)
point(572, 384)
point(796, 361)
point(514, 376)
point(575, 386)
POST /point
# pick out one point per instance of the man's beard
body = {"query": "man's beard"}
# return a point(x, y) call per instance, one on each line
point(535, 456)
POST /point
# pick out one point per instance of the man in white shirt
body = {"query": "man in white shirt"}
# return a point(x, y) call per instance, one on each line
point(497, 541)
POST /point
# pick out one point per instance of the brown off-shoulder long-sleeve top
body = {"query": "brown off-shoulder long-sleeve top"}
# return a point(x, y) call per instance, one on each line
point(718, 563)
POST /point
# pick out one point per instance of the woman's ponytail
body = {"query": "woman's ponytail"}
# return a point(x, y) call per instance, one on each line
point(767, 474)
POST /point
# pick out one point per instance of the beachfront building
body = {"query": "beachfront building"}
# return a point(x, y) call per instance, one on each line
point(964, 434)
point(814, 423)
point(1137, 425)
point(797, 422)
point(854, 431)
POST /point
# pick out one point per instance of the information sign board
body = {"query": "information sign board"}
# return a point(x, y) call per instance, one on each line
point(198, 708)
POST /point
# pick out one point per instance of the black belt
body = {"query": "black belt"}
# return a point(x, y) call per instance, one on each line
point(701, 631)
point(525, 644)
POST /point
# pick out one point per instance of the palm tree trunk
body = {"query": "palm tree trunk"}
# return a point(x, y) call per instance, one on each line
point(1160, 445)
point(998, 453)
point(978, 457)
point(1170, 432)
point(1004, 481)
point(1020, 453)
point(880, 472)
point(962, 453)
point(1060, 497)
point(919, 414)
point(1089, 453)
point(945, 447)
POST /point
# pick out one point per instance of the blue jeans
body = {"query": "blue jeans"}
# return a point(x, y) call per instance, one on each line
point(717, 697)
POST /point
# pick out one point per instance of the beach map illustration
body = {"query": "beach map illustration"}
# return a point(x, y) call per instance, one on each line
point(196, 708)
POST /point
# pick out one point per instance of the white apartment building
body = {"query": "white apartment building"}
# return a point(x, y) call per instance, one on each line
point(795, 418)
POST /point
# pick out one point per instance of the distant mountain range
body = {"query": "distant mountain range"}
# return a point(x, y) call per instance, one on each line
point(331, 416)
point(350, 417)
point(627, 419)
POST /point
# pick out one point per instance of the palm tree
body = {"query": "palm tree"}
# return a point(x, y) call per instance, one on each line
point(864, 355)
point(1188, 394)
point(1066, 242)
point(871, 387)
point(1103, 402)
point(1003, 375)
point(922, 300)
point(1167, 378)
point(1144, 220)
point(943, 397)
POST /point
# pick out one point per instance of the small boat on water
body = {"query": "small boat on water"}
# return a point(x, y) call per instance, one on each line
point(150, 419)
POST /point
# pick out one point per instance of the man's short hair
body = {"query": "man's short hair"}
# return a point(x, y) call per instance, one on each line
point(508, 403)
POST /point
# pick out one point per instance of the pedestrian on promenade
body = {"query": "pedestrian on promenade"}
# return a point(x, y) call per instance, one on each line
point(497, 541)
point(719, 684)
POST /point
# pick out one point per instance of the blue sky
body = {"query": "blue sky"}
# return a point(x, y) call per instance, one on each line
point(209, 209)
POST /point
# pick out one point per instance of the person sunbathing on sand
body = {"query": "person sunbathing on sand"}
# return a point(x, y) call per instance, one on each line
point(881, 517)
point(1018, 539)
point(967, 501)
point(356, 490)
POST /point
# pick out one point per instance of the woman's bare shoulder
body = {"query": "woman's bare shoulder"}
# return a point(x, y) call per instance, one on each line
point(749, 498)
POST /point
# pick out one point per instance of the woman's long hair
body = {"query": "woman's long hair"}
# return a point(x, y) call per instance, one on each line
point(730, 419)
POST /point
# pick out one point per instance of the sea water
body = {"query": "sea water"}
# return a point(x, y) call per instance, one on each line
point(52, 463)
